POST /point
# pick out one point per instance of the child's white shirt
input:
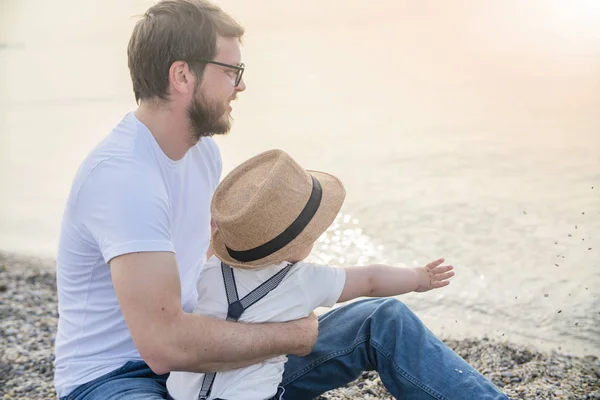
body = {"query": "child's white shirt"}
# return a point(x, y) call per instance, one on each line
point(306, 287)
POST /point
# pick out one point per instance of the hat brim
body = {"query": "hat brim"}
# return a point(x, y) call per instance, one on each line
point(333, 195)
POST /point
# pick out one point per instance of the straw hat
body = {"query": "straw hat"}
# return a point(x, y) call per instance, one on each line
point(269, 207)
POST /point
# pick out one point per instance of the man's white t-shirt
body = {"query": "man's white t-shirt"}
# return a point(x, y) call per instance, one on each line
point(127, 196)
point(305, 288)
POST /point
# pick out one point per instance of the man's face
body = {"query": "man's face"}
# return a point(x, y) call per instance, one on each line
point(209, 110)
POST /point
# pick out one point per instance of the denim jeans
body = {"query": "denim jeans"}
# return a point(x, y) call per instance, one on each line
point(373, 334)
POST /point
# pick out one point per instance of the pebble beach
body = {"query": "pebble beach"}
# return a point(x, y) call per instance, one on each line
point(28, 315)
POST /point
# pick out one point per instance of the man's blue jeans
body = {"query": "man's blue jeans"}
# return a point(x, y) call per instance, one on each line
point(373, 334)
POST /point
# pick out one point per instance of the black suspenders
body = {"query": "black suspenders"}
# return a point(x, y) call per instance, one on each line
point(237, 307)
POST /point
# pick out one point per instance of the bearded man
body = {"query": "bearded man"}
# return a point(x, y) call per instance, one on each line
point(135, 236)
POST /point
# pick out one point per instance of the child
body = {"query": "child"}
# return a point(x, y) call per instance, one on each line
point(268, 213)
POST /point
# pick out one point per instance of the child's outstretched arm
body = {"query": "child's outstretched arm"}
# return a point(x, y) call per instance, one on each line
point(384, 280)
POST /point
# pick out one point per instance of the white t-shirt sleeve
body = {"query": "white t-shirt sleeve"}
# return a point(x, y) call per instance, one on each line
point(322, 284)
point(125, 208)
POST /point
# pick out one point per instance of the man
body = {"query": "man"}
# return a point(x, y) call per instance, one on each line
point(135, 236)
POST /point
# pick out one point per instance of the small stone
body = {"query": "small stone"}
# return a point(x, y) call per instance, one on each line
point(559, 311)
point(546, 294)
point(26, 337)
point(4, 368)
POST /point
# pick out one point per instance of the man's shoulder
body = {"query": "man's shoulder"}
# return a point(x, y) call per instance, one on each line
point(121, 157)
point(126, 143)
point(117, 170)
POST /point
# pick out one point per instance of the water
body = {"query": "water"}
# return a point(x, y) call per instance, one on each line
point(468, 131)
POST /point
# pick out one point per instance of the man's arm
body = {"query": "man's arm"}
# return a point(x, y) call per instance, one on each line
point(384, 280)
point(168, 339)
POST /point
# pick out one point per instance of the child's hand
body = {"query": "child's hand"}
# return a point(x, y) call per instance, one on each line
point(433, 276)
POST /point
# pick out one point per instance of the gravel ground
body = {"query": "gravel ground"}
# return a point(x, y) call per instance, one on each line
point(28, 318)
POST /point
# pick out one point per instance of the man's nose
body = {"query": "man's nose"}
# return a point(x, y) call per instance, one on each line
point(241, 86)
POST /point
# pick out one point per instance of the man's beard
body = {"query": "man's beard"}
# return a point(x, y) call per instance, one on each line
point(207, 119)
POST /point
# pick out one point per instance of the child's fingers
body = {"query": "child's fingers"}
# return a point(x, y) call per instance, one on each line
point(434, 264)
point(443, 268)
point(443, 276)
point(439, 284)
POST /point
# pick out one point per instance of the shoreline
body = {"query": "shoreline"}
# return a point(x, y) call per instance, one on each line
point(28, 312)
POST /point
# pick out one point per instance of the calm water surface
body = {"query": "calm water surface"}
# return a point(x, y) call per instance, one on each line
point(470, 132)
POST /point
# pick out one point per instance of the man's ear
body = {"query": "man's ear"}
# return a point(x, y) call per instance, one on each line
point(181, 79)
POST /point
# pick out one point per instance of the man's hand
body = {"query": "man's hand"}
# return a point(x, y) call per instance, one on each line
point(148, 288)
point(310, 328)
point(434, 276)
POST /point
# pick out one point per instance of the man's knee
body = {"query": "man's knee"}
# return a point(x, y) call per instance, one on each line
point(385, 308)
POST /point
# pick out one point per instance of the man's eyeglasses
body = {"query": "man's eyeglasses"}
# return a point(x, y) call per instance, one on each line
point(238, 68)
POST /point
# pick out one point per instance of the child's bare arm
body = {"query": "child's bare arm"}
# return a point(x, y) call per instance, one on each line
point(384, 280)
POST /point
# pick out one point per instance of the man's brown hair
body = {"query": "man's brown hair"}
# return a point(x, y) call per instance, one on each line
point(175, 30)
